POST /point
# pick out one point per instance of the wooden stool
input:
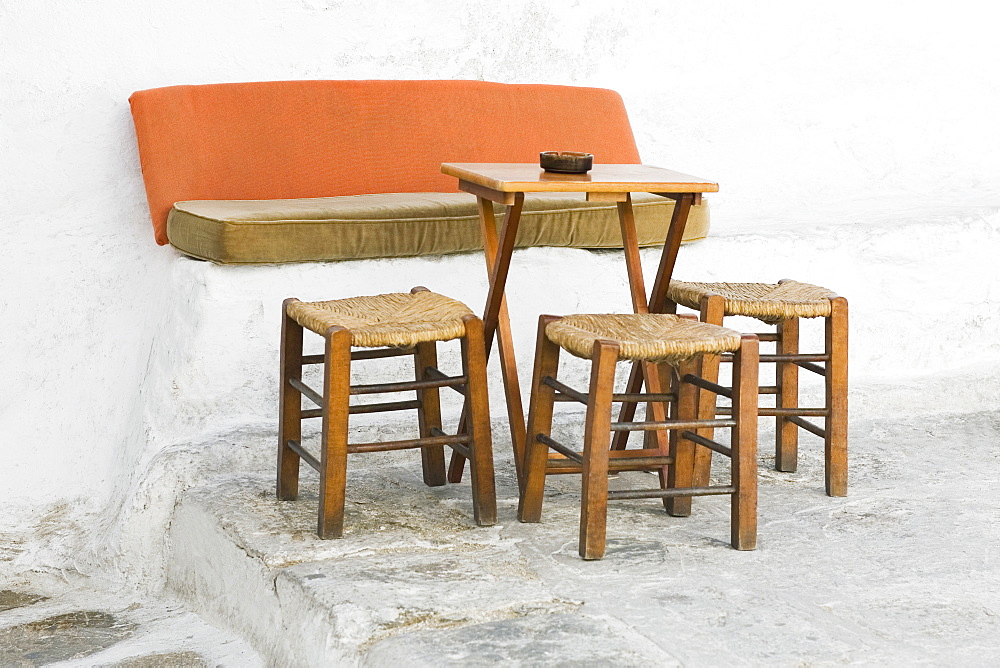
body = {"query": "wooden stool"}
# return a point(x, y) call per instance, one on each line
point(394, 325)
point(676, 344)
point(782, 305)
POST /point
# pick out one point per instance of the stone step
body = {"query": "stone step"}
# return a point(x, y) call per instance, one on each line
point(414, 582)
point(412, 564)
point(80, 622)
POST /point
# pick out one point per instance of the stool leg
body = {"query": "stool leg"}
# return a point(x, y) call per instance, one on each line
point(333, 455)
point(657, 378)
point(429, 415)
point(290, 402)
point(786, 447)
point(484, 495)
point(596, 443)
point(539, 422)
point(682, 473)
point(744, 445)
point(836, 399)
point(713, 310)
point(661, 440)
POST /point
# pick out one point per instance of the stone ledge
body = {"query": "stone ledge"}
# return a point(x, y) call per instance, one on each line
point(411, 559)
point(833, 580)
point(921, 294)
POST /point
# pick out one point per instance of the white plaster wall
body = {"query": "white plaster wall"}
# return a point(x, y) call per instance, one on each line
point(875, 115)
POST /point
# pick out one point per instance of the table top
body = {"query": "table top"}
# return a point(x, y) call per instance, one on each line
point(529, 177)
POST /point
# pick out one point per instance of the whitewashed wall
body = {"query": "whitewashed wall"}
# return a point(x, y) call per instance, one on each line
point(880, 115)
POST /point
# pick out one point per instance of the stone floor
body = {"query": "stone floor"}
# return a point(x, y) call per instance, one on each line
point(82, 624)
point(904, 570)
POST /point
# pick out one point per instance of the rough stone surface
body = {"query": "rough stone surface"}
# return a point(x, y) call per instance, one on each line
point(73, 635)
point(78, 622)
point(164, 660)
point(536, 640)
point(412, 559)
point(10, 599)
point(902, 570)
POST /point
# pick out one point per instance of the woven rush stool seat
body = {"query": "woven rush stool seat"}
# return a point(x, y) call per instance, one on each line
point(669, 342)
point(650, 337)
point(770, 303)
point(397, 319)
point(388, 325)
point(783, 304)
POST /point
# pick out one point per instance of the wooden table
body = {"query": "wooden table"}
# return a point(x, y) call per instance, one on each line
point(506, 183)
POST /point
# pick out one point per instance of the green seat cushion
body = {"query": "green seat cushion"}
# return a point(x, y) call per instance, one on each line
point(401, 225)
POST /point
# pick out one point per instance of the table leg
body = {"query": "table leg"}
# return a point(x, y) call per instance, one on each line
point(658, 298)
point(496, 322)
point(637, 287)
point(658, 302)
point(630, 244)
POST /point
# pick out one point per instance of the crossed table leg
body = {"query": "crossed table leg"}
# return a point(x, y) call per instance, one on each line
point(496, 321)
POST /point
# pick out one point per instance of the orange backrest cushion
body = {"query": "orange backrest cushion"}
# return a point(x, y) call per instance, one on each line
point(290, 139)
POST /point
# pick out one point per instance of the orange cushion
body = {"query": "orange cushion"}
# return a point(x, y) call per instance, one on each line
point(294, 139)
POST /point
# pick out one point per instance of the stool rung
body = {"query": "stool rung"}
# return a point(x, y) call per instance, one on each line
point(815, 368)
point(569, 393)
point(354, 410)
point(361, 355)
point(618, 460)
point(312, 394)
point(808, 426)
point(654, 460)
point(708, 443)
point(625, 397)
point(457, 447)
point(560, 448)
point(767, 389)
point(380, 388)
point(460, 449)
point(698, 381)
point(676, 424)
point(438, 375)
point(297, 448)
point(668, 493)
point(779, 412)
point(786, 412)
point(639, 397)
point(796, 358)
point(384, 407)
point(377, 353)
point(405, 445)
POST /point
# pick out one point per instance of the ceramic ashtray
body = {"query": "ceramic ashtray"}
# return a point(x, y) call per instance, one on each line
point(566, 162)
